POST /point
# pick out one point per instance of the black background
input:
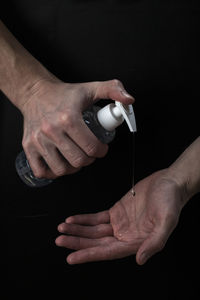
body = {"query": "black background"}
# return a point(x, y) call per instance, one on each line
point(152, 47)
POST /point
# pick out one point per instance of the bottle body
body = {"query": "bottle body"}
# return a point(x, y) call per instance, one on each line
point(26, 174)
point(90, 117)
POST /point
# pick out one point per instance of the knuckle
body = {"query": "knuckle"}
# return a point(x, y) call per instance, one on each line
point(78, 162)
point(116, 82)
point(92, 150)
point(25, 144)
point(61, 171)
point(30, 141)
point(47, 128)
point(34, 138)
point(39, 173)
point(67, 120)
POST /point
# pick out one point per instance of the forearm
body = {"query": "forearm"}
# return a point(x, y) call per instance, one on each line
point(186, 169)
point(19, 70)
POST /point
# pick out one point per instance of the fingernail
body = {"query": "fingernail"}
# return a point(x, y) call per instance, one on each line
point(59, 227)
point(69, 220)
point(69, 260)
point(143, 257)
point(62, 227)
point(124, 93)
point(58, 241)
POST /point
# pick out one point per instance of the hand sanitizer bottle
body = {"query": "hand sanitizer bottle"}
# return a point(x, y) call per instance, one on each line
point(101, 121)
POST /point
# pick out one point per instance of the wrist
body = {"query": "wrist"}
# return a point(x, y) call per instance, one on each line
point(181, 181)
point(34, 86)
point(31, 83)
point(185, 170)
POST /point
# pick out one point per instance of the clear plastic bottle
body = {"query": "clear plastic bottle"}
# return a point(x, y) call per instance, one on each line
point(26, 174)
point(101, 121)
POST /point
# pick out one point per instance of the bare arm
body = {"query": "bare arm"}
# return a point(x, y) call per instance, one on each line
point(19, 70)
point(186, 169)
point(56, 140)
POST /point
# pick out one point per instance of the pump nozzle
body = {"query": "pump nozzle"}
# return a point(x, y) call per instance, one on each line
point(128, 114)
point(113, 115)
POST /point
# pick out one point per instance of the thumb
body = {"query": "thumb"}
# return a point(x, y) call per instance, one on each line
point(111, 89)
point(153, 244)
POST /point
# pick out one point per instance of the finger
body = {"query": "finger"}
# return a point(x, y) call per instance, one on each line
point(70, 151)
point(57, 163)
point(97, 231)
point(38, 165)
point(88, 255)
point(73, 153)
point(90, 219)
point(111, 89)
point(71, 123)
point(154, 243)
point(46, 161)
point(76, 243)
point(78, 131)
point(114, 250)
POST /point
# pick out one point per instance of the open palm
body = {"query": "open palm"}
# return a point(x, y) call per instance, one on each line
point(139, 224)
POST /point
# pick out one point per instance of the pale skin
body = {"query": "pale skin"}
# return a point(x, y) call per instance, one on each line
point(56, 140)
point(136, 225)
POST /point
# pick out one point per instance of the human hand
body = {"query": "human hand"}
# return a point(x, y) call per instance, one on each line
point(56, 140)
point(139, 224)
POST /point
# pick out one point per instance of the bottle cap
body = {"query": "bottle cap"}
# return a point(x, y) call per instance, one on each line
point(114, 114)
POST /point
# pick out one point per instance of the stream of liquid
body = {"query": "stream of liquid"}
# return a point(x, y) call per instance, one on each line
point(133, 165)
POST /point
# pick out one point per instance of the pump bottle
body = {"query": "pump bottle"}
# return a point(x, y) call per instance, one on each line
point(101, 121)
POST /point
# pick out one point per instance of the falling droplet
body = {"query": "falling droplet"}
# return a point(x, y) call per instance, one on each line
point(133, 192)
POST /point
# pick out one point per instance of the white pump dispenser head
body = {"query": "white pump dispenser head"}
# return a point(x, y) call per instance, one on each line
point(113, 115)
